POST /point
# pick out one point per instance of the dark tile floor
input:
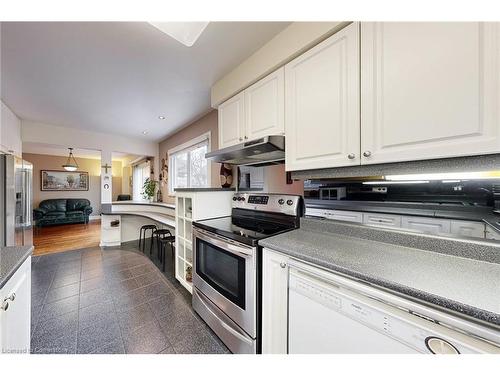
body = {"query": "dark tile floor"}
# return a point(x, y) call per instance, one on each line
point(112, 301)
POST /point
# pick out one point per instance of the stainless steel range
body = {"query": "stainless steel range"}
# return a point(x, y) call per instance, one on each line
point(227, 265)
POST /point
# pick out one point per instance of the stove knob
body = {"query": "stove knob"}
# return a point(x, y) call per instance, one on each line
point(281, 201)
point(234, 198)
point(240, 198)
point(289, 202)
point(243, 199)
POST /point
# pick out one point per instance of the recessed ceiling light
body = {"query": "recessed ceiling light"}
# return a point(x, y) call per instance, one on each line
point(145, 132)
point(185, 32)
point(161, 117)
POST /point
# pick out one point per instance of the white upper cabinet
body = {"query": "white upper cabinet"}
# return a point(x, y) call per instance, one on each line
point(256, 112)
point(429, 90)
point(10, 132)
point(265, 106)
point(232, 121)
point(322, 123)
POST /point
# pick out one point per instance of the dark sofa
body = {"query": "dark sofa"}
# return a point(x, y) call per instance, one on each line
point(62, 211)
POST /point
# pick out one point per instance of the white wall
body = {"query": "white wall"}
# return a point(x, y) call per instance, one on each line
point(69, 137)
point(288, 44)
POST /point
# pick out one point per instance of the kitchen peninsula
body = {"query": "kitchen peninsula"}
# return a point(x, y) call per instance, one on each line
point(121, 221)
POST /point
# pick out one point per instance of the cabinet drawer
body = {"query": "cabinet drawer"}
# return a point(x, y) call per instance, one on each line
point(382, 220)
point(427, 225)
point(468, 228)
point(352, 216)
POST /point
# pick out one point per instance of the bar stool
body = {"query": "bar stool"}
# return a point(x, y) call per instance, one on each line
point(163, 242)
point(142, 232)
point(158, 234)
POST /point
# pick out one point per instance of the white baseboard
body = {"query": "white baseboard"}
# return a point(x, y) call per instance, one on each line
point(94, 217)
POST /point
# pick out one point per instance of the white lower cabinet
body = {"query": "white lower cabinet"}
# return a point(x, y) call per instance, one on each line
point(468, 228)
point(382, 220)
point(274, 302)
point(15, 312)
point(341, 215)
point(427, 225)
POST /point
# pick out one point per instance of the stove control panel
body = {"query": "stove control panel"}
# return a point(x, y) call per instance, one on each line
point(280, 203)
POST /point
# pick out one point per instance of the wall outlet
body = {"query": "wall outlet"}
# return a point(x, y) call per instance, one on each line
point(379, 189)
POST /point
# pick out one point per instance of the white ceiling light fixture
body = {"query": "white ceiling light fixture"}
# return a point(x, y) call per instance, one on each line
point(145, 132)
point(186, 33)
point(71, 164)
point(161, 117)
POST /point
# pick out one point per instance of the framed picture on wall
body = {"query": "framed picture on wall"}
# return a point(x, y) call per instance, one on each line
point(64, 181)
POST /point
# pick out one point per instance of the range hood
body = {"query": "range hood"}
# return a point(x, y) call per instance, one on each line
point(260, 152)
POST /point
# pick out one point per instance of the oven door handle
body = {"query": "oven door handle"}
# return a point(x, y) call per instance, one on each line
point(240, 250)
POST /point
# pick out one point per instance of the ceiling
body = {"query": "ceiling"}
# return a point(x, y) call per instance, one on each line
point(119, 77)
point(54, 150)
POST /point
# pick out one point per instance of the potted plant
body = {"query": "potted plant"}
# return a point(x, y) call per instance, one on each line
point(149, 189)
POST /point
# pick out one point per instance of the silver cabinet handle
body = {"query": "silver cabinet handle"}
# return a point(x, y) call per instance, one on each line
point(367, 154)
point(351, 156)
point(282, 264)
point(5, 306)
point(246, 137)
point(241, 139)
point(12, 297)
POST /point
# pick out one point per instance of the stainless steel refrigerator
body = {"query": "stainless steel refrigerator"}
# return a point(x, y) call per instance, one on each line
point(16, 201)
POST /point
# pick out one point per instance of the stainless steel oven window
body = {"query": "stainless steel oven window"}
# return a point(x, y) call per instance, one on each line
point(222, 270)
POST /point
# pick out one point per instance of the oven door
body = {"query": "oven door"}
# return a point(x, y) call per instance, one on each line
point(225, 272)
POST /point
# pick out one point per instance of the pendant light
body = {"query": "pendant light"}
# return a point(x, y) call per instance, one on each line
point(71, 164)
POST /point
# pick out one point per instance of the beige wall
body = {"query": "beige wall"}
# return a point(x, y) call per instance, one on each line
point(92, 166)
point(275, 181)
point(274, 176)
point(197, 128)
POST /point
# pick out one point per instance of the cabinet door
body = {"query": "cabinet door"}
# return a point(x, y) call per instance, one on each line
point(274, 303)
point(429, 90)
point(10, 132)
point(468, 228)
point(322, 124)
point(491, 234)
point(232, 121)
point(382, 219)
point(15, 320)
point(265, 106)
point(426, 225)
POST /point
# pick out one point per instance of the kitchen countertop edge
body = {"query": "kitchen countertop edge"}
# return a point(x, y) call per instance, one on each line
point(11, 258)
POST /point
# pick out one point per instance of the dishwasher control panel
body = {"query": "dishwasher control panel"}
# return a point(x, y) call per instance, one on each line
point(345, 307)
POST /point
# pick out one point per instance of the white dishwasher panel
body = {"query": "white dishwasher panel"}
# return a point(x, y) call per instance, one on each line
point(325, 317)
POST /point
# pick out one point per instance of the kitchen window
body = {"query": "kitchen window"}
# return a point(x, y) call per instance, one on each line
point(187, 165)
point(141, 172)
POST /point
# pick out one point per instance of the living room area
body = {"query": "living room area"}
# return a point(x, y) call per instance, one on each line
point(67, 194)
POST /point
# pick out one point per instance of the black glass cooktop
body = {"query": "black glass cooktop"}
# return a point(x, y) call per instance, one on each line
point(247, 229)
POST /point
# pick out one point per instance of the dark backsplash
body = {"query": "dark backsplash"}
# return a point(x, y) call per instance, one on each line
point(468, 193)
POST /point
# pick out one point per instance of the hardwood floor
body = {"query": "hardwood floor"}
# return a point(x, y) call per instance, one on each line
point(57, 238)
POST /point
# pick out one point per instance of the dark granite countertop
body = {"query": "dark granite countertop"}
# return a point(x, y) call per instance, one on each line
point(11, 258)
point(484, 214)
point(454, 274)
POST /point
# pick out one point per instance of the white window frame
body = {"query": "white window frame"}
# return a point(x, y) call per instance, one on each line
point(192, 142)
